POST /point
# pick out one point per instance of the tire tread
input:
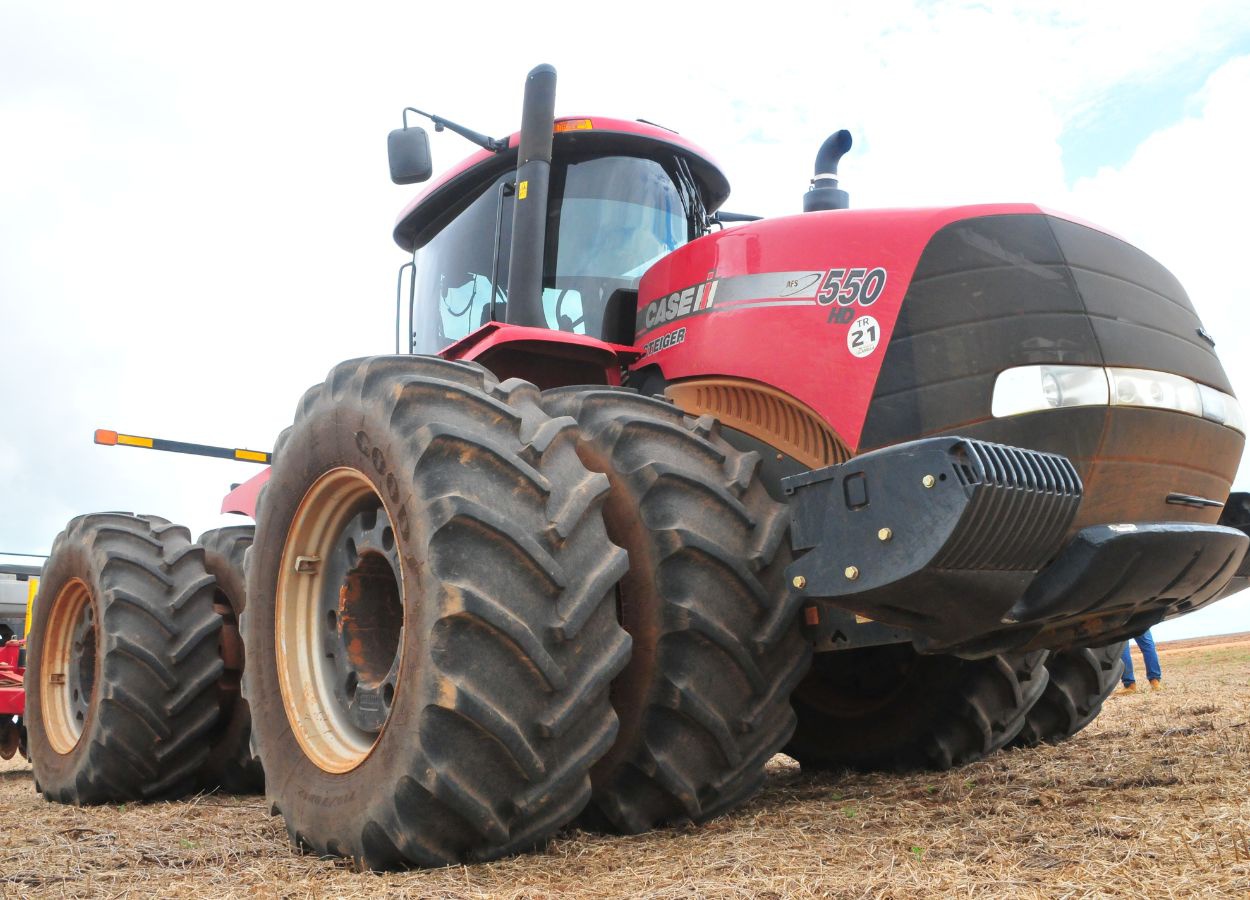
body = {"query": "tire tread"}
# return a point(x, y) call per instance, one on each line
point(698, 515)
point(154, 707)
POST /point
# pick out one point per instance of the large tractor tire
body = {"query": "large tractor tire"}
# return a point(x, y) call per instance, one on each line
point(431, 626)
point(230, 767)
point(1080, 680)
point(704, 702)
point(123, 662)
point(889, 708)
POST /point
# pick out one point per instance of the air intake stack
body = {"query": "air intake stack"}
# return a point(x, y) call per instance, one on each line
point(823, 193)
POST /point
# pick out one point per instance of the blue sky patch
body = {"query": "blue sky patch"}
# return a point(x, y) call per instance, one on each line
point(1108, 133)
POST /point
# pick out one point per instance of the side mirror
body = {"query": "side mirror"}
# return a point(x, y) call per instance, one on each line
point(409, 152)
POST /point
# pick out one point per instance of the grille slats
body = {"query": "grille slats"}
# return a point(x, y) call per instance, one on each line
point(764, 413)
point(1022, 503)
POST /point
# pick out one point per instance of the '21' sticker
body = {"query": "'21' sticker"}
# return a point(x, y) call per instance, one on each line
point(863, 335)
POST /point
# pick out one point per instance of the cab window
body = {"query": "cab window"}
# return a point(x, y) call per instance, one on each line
point(609, 220)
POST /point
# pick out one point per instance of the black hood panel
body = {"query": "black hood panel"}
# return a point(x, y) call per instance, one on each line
point(1000, 291)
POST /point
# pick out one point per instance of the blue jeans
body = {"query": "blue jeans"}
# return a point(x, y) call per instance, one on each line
point(1146, 644)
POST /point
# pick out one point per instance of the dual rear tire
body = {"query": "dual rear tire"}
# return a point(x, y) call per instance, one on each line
point(123, 662)
point(890, 708)
point(433, 611)
point(134, 663)
point(893, 709)
point(1080, 680)
point(424, 499)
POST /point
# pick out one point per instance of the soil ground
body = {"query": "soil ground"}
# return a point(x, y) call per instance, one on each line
point(1150, 801)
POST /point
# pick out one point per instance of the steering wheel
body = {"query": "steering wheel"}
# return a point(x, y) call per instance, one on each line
point(563, 322)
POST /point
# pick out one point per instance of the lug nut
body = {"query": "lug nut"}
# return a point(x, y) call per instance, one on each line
point(851, 573)
point(884, 534)
point(799, 582)
point(928, 481)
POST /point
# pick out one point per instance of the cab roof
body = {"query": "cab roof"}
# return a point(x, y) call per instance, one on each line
point(451, 190)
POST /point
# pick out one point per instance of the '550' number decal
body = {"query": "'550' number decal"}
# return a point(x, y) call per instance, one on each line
point(847, 287)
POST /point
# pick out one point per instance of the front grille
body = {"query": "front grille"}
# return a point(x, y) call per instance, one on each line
point(1022, 503)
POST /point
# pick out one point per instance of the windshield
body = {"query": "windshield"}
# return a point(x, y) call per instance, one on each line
point(609, 220)
point(617, 216)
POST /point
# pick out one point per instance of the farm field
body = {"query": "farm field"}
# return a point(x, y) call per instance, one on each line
point(1149, 801)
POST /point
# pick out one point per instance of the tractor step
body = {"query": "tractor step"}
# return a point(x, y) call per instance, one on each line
point(967, 545)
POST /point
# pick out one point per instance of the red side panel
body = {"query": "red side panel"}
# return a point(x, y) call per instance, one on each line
point(805, 303)
point(242, 500)
point(544, 356)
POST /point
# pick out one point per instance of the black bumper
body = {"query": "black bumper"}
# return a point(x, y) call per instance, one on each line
point(966, 545)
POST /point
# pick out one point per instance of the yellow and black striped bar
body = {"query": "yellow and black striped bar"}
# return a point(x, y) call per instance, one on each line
point(115, 439)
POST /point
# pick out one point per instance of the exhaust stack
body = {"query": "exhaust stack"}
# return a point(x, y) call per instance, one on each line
point(529, 222)
point(823, 192)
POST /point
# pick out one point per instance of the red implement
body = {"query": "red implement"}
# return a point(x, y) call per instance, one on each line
point(12, 685)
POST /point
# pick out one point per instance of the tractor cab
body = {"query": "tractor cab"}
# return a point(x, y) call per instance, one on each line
point(621, 195)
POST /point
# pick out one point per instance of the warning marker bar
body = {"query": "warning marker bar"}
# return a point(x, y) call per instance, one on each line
point(116, 439)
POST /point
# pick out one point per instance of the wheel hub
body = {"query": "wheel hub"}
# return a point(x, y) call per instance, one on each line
point(364, 617)
point(339, 618)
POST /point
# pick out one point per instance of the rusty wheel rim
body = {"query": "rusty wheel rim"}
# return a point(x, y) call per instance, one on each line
point(339, 617)
point(68, 666)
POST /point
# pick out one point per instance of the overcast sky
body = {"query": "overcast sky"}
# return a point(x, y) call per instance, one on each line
point(195, 212)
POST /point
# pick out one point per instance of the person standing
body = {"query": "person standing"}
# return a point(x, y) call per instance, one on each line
point(1154, 674)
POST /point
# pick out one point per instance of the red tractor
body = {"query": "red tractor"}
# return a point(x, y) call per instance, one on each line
point(566, 556)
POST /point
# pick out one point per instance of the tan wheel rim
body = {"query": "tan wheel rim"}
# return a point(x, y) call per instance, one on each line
point(338, 619)
point(67, 667)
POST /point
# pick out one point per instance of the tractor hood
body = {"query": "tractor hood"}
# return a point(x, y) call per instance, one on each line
point(833, 333)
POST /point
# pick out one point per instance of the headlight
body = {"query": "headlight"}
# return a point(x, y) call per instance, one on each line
point(1220, 407)
point(1027, 389)
point(1030, 388)
point(1141, 387)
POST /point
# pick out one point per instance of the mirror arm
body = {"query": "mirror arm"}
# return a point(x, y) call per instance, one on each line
point(494, 145)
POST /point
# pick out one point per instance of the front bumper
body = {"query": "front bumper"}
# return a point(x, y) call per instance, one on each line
point(965, 545)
